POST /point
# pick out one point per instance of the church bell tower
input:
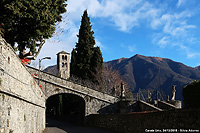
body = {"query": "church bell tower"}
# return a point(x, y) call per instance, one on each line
point(63, 66)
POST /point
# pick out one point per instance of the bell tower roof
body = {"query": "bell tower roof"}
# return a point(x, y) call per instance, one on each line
point(63, 52)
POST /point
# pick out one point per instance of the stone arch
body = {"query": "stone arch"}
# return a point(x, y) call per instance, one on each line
point(54, 91)
point(66, 106)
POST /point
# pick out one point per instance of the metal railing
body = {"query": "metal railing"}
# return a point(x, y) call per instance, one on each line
point(150, 95)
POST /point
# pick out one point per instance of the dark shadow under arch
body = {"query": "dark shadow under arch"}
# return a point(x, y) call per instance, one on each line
point(66, 107)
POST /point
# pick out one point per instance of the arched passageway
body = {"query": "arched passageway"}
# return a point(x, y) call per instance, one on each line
point(66, 107)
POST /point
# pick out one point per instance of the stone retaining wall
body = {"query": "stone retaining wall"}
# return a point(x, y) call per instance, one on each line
point(22, 102)
point(144, 106)
point(165, 105)
point(148, 121)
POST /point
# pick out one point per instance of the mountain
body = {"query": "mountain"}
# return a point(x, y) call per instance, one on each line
point(51, 70)
point(143, 72)
point(198, 67)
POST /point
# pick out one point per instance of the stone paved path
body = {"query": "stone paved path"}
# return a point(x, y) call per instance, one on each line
point(54, 126)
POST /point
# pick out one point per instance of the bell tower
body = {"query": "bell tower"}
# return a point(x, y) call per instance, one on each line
point(63, 65)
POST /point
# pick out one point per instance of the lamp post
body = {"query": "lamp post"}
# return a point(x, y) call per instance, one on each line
point(40, 60)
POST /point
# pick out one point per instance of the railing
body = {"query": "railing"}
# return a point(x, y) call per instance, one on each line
point(150, 95)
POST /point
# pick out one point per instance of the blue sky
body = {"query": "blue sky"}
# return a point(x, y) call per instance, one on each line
point(123, 28)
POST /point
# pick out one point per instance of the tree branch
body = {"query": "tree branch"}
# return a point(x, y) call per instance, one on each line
point(42, 43)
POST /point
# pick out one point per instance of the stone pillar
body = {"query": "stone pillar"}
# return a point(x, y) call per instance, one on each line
point(173, 93)
point(149, 96)
point(176, 103)
point(122, 91)
point(167, 98)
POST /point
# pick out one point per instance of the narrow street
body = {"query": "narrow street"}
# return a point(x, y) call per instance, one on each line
point(55, 126)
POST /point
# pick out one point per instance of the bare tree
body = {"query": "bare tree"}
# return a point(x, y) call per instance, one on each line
point(112, 81)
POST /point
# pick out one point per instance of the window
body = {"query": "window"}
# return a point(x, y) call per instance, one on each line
point(63, 64)
point(63, 57)
point(66, 65)
point(8, 60)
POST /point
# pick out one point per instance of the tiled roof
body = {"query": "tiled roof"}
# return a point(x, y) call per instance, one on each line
point(63, 52)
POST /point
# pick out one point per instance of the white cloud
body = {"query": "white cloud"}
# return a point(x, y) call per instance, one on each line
point(190, 53)
point(163, 41)
point(125, 22)
point(125, 15)
point(175, 31)
point(193, 40)
point(155, 23)
point(132, 48)
point(181, 30)
point(180, 2)
point(64, 42)
point(193, 55)
point(76, 8)
point(174, 24)
point(98, 43)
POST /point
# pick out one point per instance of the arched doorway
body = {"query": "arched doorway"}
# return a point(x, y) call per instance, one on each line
point(66, 107)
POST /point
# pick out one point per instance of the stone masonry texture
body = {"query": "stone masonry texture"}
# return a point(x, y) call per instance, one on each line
point(22, 102)
point(161, 121)
point(94, 100)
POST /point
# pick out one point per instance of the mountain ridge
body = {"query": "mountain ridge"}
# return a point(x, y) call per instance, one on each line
point(141, 71)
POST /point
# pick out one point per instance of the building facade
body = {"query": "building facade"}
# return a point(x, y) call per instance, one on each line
point(63, 65)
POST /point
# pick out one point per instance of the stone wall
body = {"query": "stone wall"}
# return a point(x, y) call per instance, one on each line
point(22, 102)
point(162, 121)
point(94, 100)
point(165, 105)
point(56, 81)
point(144, 106)
point(176, 103)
